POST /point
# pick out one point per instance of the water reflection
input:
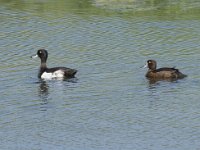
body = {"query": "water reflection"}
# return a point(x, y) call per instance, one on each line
point(157, 88)
point(156, 81)
point(43, 89)
point(72, 80)
point(43, 92)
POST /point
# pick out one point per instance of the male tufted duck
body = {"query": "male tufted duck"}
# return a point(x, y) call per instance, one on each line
point(162, 73)
point(50, 73)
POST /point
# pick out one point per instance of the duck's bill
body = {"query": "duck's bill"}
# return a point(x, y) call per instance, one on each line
point(145, 66)
point(34, 56)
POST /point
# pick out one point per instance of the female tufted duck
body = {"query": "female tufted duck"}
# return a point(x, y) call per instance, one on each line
point(162, 73)
point(50, 73)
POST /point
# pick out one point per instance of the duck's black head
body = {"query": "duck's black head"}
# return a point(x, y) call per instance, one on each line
point(151, 64)
point(43, 54)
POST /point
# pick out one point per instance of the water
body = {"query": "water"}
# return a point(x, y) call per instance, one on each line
point(110, 105)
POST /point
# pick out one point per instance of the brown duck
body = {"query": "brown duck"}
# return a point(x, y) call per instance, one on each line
point(162, 73)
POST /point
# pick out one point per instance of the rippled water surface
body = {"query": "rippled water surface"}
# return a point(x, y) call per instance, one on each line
point(110, 105)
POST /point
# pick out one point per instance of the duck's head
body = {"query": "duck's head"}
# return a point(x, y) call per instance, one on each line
point(151, 64)
point(43, 54)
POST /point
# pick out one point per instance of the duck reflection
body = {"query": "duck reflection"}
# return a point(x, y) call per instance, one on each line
point(43, 89)
point(43, 93)
point(156, 81)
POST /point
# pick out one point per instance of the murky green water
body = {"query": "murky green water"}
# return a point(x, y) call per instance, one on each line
point(111, 105)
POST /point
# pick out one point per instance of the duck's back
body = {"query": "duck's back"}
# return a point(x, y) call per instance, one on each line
point(165, 73)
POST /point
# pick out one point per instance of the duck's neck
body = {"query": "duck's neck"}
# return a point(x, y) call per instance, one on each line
point(42, 69)
point(43, 62)
point(43, 65)
point(151, 69)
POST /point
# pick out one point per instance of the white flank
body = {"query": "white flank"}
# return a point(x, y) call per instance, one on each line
point(56, 74)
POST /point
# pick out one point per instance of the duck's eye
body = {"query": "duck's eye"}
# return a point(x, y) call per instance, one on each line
point(40, 52)
point(149, 62)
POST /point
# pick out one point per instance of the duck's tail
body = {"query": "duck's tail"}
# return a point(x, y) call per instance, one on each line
point(181, 75)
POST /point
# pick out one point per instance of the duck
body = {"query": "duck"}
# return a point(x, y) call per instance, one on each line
point(52, 73)
point(162, 73)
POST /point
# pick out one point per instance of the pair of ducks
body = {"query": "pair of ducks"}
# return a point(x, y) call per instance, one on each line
point(63, 72)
